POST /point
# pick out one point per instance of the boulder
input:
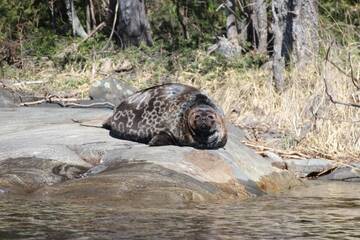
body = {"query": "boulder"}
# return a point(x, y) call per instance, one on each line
point(323, 169)
point(7, 99)
point(110, 90)
point(11, 97)
point(43, 147)
point(346, 173)
point(307, 167)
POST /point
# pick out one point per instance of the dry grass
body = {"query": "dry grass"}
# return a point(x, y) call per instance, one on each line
point(302, 114)
point(301, 118)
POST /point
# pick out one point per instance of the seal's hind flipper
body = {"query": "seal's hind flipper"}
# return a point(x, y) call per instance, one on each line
point(92, 123)
point(162, 139)
point(107, 124)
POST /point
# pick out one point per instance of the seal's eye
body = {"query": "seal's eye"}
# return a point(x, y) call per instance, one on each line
point(197, 117)
point(211, 117)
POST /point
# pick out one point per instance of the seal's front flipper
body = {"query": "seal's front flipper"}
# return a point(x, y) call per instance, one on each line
point(161, 139)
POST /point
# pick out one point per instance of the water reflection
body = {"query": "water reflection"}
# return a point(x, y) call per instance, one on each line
point(322, 211)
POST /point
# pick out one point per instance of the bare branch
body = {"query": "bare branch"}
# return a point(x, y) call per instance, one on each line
point(345, 73)
point(74, 47)
point(326, 85)
point(113, 26)
point(353, 79)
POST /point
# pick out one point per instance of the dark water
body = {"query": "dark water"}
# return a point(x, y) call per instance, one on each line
point(321, 211)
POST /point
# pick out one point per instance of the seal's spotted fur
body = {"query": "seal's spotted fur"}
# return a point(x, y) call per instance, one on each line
point(169, 114)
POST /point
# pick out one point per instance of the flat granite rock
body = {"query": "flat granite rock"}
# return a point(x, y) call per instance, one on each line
point(47, 152)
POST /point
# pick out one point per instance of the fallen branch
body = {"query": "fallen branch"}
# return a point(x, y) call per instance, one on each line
point(288, 154)
point(29, 83)
point(318, 153)
point(67, 102)
point(302, 154)
point(26, 104)
point(48, 99)
point(100, 104)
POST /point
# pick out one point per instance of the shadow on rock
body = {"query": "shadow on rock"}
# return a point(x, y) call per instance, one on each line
point(26, 175)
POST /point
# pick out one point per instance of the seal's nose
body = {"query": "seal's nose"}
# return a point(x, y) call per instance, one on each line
point(204, 126)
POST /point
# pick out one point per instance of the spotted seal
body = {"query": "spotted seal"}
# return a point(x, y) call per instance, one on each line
point(169, 114)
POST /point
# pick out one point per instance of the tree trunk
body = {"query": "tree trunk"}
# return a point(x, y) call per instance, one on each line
point(132, 25)
point(181, 20)
point(259, 22)
point(88, 17)
point(231, 26)
point(305, 32)
point(74, 20)
point(92, 14)
point(52, 14)
point(229, 47)
point(279, 12)
point(295, 26)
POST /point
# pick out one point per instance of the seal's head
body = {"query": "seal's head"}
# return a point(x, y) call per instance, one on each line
point(207, 127)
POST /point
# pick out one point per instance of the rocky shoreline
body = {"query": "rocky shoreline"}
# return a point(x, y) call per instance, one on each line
point(63, 154)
